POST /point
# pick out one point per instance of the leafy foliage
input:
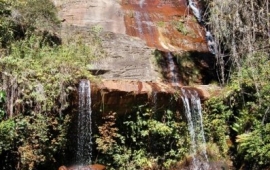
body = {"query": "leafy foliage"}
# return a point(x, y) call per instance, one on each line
point(254, 146)
point(242, 37)
point(242, 115)
point(37, 76)
point(148, 140)
point(2, 103)
point(216, 124)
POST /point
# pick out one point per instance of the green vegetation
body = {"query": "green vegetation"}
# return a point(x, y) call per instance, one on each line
point(189, 70)
point(181, 27)
point(39, 73)
point(241, 113)
point(37, 76)
point(161, 24)
point(145, 139)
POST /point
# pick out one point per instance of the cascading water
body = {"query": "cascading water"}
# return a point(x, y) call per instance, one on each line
point(193, 111)
point(173, 71)
point(192, 105)
point(149, 25)
point(84, 130)
point(141, 3)
point(209, 38)
point(195, 10)
point(139, 23)
point(144, 27)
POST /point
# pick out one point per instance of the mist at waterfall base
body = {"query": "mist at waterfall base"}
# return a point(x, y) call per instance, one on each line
point(193, 112)
point(84, 130)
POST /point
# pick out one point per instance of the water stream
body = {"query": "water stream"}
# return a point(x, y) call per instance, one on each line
point(173, 70)
point(209, 38)
point(193, 111)
point(196, 11)
point(143, 23)
point(150, 28)
point(141, 3)
point(138, 20)
point(84, 130)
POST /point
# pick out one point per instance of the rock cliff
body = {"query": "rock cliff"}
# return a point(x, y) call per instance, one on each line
point(131, 31)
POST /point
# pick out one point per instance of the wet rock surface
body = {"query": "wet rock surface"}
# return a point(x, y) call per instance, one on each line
point(89, 167)
point(165, 25)
point(132, 30)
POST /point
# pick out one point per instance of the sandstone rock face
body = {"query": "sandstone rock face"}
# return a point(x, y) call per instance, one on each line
point(167, 25)
point(87, 13)
point(164, 24)
point(122, 96)
point(132, 30)
point(127, 58)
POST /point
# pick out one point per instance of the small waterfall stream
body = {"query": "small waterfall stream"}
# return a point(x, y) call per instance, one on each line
point(209, 38)
point(141, 3)
point(173, 70)
point(84, 130)
point(144, 27)
point(195, 10)
point(138, 20)
point(193, 111)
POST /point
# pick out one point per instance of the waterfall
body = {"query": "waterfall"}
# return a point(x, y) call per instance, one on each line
point(210, 42)
point(173, 70)
point(141, 3)
point(209, 38)
point(139, 22)
point(84, 130)
point(149, 24)
point(195, 10)
point(154, 100)
point(193, 111)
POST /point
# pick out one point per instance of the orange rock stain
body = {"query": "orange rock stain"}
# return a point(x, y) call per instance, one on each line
point(165, 25)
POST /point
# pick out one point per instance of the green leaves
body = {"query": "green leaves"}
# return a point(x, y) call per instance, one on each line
point(38, 74)
point(254, 146)
point(2, 102)
point(7, 135)
point(146, 139)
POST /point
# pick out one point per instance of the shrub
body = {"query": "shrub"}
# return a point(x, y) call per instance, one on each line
point(144, 140)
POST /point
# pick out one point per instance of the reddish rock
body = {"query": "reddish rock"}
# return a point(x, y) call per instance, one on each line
point(120, 96)
point(89, 167)
point(165, 25)
point(129, 72)
point(202, 92)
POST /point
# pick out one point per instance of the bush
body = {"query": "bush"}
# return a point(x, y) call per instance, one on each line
point(145, 140)
point(36, 79)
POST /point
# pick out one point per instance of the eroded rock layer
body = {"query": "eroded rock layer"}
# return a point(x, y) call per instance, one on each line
point(163, 24)
point(166, 25)
point(132, 30)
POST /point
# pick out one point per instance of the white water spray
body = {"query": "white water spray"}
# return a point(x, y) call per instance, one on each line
point(193, 111)
point(173, 70)
point(141, 3)
point(84, 130)
point(139, 22)
point(210, 42)
point(209, 38)
point(195, 10)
